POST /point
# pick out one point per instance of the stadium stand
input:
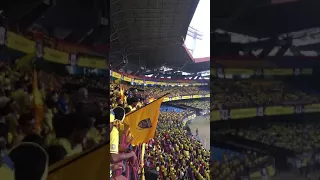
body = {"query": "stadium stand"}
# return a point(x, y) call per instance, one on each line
point(265, 89)
point(140, 83)
point(139, 80)
point(228, 164)
point(269, 114)
point(244, 94)
point(62, 99)
point(53, 116)
point(173, 144)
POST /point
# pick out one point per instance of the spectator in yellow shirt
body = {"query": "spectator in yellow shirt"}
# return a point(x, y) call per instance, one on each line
point(132, 103)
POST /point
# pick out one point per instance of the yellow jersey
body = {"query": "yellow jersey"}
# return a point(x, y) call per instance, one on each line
point(114, 141)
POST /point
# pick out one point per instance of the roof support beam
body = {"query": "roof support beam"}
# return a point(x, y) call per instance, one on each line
point(145, 18)
point(28, 19)
point(266, 51)
point(282, 50)
point(78, 34)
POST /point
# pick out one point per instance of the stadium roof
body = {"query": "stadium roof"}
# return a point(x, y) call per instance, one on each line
point(267, 62)
point(150, 33)
point(262, 29)
point(75, 21)
point(264, 19)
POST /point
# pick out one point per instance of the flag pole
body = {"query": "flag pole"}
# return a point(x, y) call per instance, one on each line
point(142, 160)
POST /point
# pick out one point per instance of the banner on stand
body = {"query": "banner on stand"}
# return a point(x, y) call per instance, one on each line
point(20, 43)
point(56, 56)
point(92, 62)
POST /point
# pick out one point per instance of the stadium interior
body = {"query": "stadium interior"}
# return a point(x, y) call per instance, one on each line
point(265, 90)
point(54, 89)
point(148, 59)
point(69, 66)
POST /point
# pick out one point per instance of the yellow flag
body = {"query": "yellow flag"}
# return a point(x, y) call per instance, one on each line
point(37, 100)
point(117, 81)
point(143, 122)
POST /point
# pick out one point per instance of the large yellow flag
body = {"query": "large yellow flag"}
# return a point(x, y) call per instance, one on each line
point(37, 100)
point(143, 122)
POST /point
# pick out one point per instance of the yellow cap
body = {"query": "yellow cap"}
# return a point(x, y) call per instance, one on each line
point(112, 117)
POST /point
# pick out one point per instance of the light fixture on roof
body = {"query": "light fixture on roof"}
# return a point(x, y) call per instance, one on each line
point(183, 40)
point(125, 59)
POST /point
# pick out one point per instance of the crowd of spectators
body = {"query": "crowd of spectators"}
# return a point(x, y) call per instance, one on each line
point(158, 91)
point(199, 104)
point(237, 166)
point(73, 120)
point(143, 95)
point(249, 93)
point(291, 136)
point(174, 152)
point(203, 105)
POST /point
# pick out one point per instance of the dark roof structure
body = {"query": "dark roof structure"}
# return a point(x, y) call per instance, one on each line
point(147, 34)
point(150, 34)
point(273, 20)
point(276, 28)
point(74, 21)
point(267, 62)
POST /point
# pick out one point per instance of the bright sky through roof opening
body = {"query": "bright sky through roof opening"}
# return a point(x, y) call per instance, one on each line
point(201, 22)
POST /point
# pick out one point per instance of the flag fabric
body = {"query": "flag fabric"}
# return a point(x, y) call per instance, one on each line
point(143, 122)
point(121, 93)
point(117, 81)
point(37, 100)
